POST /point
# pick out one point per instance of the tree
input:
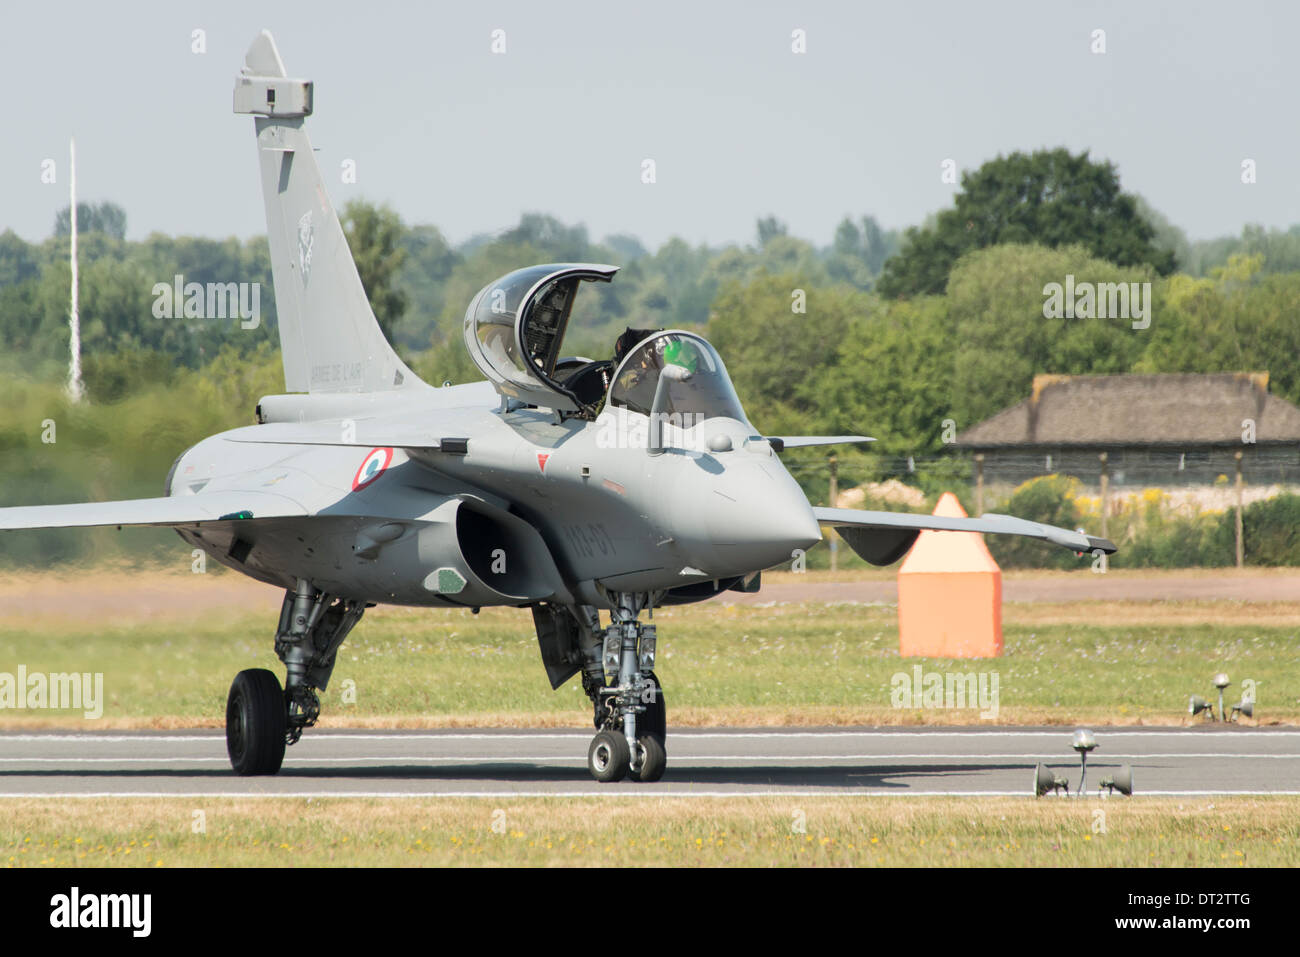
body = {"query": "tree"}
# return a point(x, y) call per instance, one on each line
point(877, 244)
point(626, 248)
point(17, 259)
point(1049, 197)
point(107, 218)
point(670, 288)
point(857, 255)
point(1278, 251)
point(1168, 237)
point(892, 377)
point(769, 227)
point(1240, 320)
point(423, 279)
point(375, 238)
point(447, 361)
point(558, 242)
point(778, 336)
point(1002, 337)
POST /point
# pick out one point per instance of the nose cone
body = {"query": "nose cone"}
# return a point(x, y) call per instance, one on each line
point(747, 515)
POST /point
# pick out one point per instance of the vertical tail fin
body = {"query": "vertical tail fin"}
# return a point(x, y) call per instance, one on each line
point(329, 338)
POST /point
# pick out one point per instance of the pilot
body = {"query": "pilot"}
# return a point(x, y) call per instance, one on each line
point(641, 369)
point(628, 340)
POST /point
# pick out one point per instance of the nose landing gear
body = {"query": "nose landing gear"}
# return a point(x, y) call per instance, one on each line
point(630, 711)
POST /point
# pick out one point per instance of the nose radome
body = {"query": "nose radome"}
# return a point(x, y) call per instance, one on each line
point(756, 516)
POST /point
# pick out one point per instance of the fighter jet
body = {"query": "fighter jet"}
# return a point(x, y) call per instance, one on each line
point(574, 487)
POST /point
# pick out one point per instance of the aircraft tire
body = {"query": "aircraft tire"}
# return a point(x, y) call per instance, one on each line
point(655, 719)
point(256, 721)
point(653, 762)
point(609, 757)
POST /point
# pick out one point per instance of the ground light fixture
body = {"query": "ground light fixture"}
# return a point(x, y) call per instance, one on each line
point(1221, 681)
point(1045, 779)
point(1245, 706)
point(1198, 705)
point(1121, 781)
point(1082, 741)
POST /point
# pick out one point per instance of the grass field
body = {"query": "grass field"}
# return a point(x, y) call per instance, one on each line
point(602, 832)
point(800, 664)
point(168, 649)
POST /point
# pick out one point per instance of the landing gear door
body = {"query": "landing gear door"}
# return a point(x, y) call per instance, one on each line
point(514, 329)
point(557, 637)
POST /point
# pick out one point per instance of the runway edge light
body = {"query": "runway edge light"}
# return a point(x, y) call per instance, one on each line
point(1045, 779)
point(1121, 781)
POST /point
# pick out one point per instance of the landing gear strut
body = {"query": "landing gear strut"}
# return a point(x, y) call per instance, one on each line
point(628, 701)
point(262, 719)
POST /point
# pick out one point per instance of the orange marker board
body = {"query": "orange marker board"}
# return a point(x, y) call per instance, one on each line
point(949, 594)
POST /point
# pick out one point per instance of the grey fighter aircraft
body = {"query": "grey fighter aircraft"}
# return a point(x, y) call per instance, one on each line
point(573, 487)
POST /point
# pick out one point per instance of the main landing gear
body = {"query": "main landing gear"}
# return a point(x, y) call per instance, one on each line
point(630, 716)
point(261, 718)
point(617, 665)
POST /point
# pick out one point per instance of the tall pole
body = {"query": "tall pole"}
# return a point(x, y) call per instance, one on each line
point(979, 484)
point(1241, 546)
point(1105, 492)
point(75, 390)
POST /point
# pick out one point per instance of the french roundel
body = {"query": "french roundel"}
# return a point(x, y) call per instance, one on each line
point(371, 468)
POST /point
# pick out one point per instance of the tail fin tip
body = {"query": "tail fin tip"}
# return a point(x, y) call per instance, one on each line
point(262, 58)
point(329, 338)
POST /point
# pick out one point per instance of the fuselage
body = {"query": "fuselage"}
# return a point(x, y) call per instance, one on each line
point(523, 489)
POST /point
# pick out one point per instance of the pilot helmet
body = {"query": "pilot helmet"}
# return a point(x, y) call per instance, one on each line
point(677, 352)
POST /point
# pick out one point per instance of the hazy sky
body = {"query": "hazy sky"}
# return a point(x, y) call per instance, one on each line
point(739, 126)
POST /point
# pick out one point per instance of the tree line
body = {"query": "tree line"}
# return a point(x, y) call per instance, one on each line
point(906, 336)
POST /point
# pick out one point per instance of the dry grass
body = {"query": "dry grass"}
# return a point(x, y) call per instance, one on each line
point(621, 832)
point(801, 664)
point(1277, 614)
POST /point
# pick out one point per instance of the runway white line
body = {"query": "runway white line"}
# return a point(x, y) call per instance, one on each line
point(1100, 730)
point(677, 759)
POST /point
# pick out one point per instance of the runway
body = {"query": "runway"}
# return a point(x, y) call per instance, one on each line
point(980, 761)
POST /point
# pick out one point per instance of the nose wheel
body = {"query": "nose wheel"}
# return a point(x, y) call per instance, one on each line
point(609, 757)
point(652, 760)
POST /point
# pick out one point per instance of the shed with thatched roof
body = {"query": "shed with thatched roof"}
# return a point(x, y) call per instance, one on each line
point(1142, 430)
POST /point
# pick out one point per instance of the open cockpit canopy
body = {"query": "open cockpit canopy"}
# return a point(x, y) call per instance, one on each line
point(514, 329)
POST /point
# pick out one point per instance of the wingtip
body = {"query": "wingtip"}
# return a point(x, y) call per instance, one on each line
point(1104, 545)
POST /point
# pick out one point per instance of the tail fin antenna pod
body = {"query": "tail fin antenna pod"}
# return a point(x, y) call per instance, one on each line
point(329, 338)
